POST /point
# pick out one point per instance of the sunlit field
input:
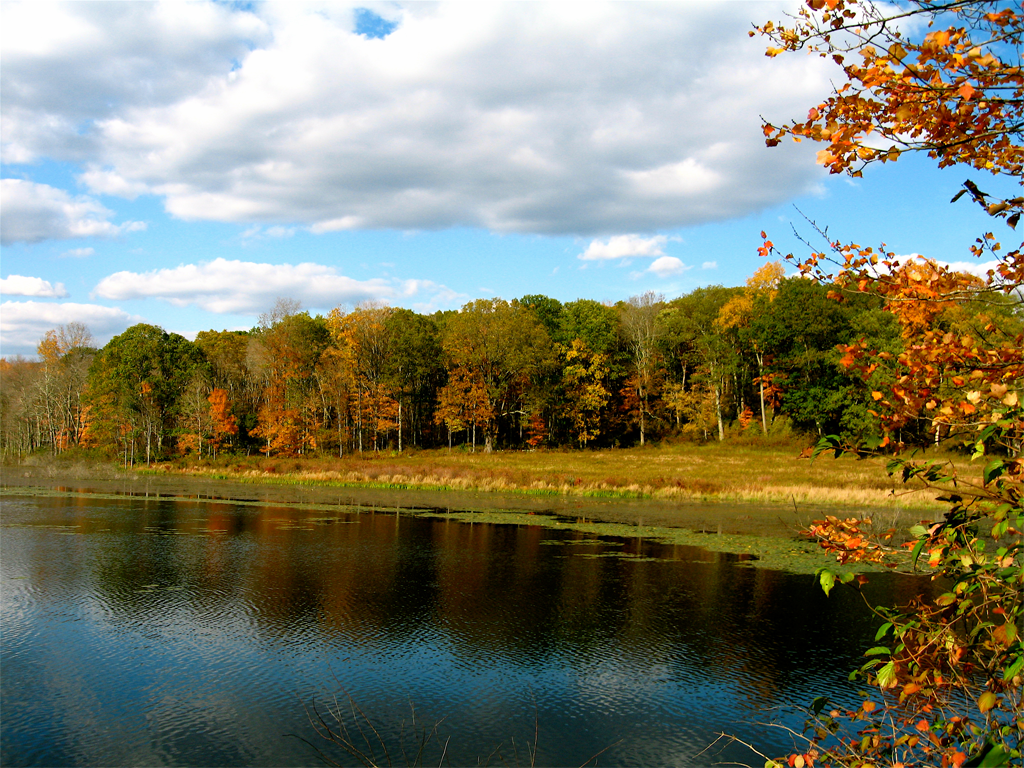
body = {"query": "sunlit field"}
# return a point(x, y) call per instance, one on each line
point(725, 472)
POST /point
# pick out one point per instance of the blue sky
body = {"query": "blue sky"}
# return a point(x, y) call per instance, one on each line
point(186, 164)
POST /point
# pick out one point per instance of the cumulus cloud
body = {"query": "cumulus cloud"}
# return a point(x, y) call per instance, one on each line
point(667, 266)
point(68, 64)
point(585, 119)
point(709, 265)
point(23, 323)
point(977, 268)
point(624, 247)
point(78, 253)
point(228, 286)
point(36, 212)
point(18, 285)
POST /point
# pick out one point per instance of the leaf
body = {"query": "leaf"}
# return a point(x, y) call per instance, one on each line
point(824, 157)
point(1005, 634)
point(1014, 669)
point(916, 553)
point(986, 701)
point(883, 630)
point(877, 651)
point(993, 470)
point(818, 704)
point(827, 580)
point(887, 676)
point(997, 756)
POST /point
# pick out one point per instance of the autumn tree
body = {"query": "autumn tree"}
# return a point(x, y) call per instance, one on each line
point(285, 351)
point(65, 353)
point(223, 424)
point(366, 333)
point(415, 368)
point(641, 330)
point(584, 375)
point(464, 403)
point(21, 425)
point(135, 386)
point(227, 353)
point(507, 347)
point(194, 423)
point(693, 337)
point(596, 326)
point(738, 313)
point(947, 672)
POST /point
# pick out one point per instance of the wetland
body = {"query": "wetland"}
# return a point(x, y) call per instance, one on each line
point(161, 620)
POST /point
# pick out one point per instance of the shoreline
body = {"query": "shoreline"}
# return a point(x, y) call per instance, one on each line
point(765, 532)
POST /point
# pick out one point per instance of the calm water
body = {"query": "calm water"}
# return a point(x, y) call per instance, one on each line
point(161, 632)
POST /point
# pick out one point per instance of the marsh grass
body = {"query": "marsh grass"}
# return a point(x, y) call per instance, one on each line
point(727, 472)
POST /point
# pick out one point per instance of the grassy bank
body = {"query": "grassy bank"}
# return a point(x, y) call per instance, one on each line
point(721, 472)
point(750, 500)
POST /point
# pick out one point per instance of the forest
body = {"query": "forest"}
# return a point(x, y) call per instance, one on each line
point(770, 358)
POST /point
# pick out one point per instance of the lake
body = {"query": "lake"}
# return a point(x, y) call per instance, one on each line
point(156, 631)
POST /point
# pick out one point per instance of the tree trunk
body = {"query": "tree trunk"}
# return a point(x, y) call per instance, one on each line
point(643, 423)
point(718, 411)
point(760, 381)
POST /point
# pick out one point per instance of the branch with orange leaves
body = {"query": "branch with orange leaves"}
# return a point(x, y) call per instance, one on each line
point(955, 94)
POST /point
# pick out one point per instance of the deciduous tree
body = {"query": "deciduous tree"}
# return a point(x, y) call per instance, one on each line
point(947, 673)
point(641, 332)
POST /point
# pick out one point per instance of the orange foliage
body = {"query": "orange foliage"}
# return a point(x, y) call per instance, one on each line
point(949, 677)
point(225, 424)
point(949, 94)
point(536, 430)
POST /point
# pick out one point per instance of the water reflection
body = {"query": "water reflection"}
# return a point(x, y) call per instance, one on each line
point(162, 632)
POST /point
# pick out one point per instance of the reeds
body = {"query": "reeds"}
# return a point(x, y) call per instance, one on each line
point(768, 474)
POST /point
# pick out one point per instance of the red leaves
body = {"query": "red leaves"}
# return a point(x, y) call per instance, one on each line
point(767, 247)
point(846, 540)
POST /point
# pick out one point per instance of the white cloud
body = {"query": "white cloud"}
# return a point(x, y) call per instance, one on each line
point(667, 266)
point(18, 285)
point(709, 265)
point(976, 268)
point(225, 286)
point(36, 212)
point(68, 64)
point(279, 231)
point(438, 296)
point(553, 118)
point(78, 253)
point(624, 247)
point(23, 323)
point(259, 233)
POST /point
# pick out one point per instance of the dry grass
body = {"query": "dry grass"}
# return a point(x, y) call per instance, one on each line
point(726, 472)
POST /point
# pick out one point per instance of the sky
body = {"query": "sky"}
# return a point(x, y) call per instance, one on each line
point(187, 164)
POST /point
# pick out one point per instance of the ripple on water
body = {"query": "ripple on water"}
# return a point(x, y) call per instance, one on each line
point(132, 646)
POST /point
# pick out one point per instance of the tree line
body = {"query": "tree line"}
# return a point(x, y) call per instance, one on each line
point(761, 359)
